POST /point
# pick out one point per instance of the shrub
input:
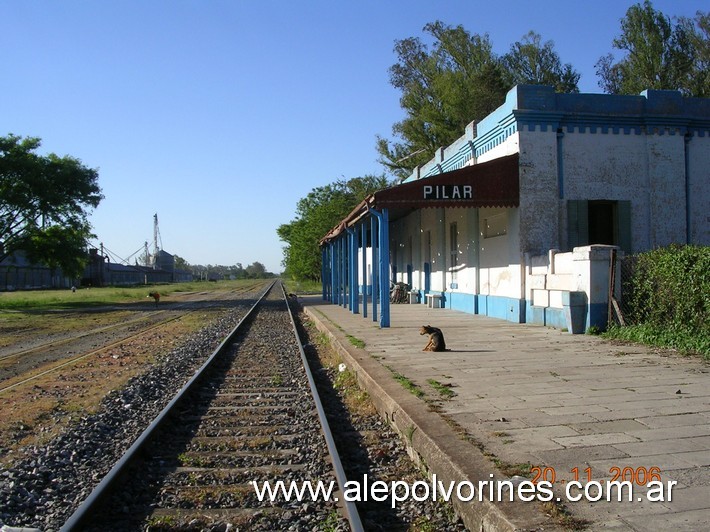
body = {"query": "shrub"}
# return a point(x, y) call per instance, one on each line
point(670, 297)
point(671, 288)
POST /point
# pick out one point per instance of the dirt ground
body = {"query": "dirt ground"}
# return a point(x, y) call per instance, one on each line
point(58, 366)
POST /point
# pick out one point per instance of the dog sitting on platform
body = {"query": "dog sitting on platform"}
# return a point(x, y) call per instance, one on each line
point(436, 339)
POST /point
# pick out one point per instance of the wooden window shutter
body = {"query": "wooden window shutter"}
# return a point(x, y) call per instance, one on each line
point(624, 225)
point(577, 223)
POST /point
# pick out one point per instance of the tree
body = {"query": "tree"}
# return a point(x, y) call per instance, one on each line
point(43, 204)
point(181, 264)
point(459, 80)
point(659, 54)
point(316, 214)
point(532, 62)
point(698, 81)
point(256, 270)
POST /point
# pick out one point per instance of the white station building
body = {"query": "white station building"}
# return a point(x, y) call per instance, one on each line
point(523, 217)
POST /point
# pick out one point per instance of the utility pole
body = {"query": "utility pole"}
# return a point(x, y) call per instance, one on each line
point(156, 239)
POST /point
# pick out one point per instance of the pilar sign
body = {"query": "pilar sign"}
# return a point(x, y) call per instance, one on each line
point(452, 192)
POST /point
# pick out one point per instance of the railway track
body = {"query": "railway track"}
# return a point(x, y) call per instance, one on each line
point(57, 353)
point(250, 415)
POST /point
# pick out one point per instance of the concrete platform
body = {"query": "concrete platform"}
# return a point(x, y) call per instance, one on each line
point(532, 395)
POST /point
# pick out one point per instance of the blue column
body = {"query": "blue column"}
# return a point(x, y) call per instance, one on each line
point(383, 266)
point(352, 264)
point(344, 276)
point(363, 240)
point(339, 266)
point(335, 298)
point(323, 270)
point(343, 271)
point(375, 254)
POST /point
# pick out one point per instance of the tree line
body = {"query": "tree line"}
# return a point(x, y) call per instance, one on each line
point(45, 200)
point(458, 78)
point(256, 270)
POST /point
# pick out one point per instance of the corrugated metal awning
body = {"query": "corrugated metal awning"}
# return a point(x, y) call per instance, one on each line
point(491, 184)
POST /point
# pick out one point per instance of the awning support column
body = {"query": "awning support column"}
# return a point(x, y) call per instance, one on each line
point(324, 273)
point(352, 262)
point(336, 269)
point(343, 271)
point(384, 266)
point(375, 254)
point(363, 241)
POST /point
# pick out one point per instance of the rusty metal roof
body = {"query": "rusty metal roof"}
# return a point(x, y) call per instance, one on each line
point(491, 184)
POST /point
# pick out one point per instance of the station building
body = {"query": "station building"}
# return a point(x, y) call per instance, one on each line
point(524, 217)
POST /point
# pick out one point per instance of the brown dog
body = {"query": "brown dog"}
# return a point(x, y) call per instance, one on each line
point(436, 338)
point(155, 296)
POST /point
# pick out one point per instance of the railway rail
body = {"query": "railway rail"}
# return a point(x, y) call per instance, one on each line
point(250, 414)
point(57, 353)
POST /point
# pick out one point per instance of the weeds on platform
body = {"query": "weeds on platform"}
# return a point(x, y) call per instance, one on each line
point(406, 383)
point(355, 341)
point(444, 390)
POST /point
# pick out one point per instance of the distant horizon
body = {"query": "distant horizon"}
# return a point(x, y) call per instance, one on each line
point(220, 116)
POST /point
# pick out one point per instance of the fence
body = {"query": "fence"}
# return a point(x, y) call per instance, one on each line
point(627, 267)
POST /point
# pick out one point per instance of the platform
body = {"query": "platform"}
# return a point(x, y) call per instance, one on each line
point(527, 394)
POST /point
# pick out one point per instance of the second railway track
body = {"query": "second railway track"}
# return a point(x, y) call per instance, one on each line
point(199, 478)
point(249, 417)
point(68, 346)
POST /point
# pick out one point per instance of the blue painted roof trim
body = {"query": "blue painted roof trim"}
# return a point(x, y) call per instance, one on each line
point(539, 108)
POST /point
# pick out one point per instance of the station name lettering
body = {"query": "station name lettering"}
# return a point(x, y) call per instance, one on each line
point(451, 192)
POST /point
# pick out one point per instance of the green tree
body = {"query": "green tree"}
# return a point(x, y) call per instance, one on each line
point(237, 271)
point(698, 81)
point(444, 89)
point(43, 204)
point(533, 62)
point(659, 54)
point(457, 81)
point(256, 270)
point(181, 264)
point(316, 214)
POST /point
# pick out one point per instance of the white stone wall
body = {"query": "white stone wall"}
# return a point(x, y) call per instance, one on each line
point(649, 153)
point(539, 202)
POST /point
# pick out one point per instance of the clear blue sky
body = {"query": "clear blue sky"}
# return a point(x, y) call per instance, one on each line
point(220, 115)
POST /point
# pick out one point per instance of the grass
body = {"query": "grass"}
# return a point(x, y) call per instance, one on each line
point(354, 397)
point(83, 385)
point(303, 287)
point(444, 390)
point(409, 433)
point(510, 469)
point(41, 300)
point(356, 341)
point(685, 343)
point(407, 383)
point(331, 522)
point(560, 514)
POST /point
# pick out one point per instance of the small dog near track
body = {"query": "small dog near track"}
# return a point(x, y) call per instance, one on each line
point(436, 339)
point(155, 296)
